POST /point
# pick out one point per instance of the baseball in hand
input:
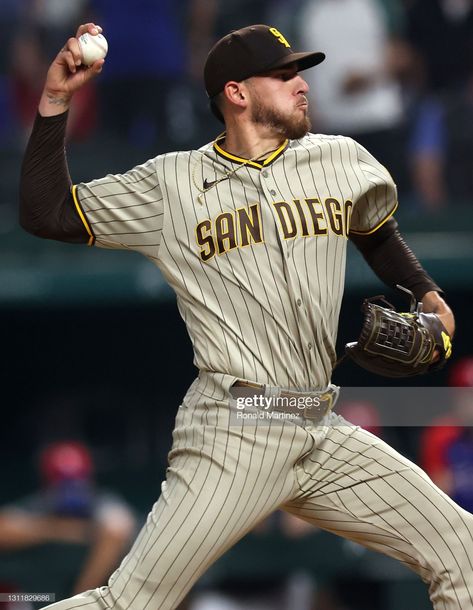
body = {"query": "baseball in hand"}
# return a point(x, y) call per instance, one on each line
point(92, 48)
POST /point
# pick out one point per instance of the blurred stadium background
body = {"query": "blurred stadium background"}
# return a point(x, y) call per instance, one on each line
point(94, 348)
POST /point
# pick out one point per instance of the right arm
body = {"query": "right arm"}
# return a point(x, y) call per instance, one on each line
point(112, 534)
point(47, 208)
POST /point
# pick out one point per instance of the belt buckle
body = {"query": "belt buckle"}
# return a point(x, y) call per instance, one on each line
point(315, 413)
point(326, 402)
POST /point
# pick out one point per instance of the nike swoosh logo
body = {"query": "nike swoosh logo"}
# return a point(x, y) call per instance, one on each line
point(209, 184)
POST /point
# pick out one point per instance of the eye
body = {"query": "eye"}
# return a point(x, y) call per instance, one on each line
point(285, 76)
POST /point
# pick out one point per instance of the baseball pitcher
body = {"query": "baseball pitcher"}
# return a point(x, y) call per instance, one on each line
point(251, 232)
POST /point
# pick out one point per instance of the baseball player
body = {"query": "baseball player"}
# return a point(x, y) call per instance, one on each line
point(251, 232)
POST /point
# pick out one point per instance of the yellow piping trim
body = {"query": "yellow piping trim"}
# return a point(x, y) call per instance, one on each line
point(377, 226)
point(276, 153)
point(82, 217)
point(224, 153)
point(228, 155)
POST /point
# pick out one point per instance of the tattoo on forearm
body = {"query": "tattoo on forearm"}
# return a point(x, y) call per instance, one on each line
point(57, 101)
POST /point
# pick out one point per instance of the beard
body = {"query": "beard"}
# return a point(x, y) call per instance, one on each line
point(290, 126)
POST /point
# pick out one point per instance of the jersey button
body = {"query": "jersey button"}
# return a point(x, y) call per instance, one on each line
point(299, 302)
point(272, 192)
point(265, 174)
point(309, 346)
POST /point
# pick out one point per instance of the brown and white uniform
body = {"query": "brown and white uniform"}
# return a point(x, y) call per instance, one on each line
point(255, 252)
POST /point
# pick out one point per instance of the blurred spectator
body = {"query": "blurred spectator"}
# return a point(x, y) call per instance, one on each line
point(29, 64)
point(58, 20)
point(441, 34)
point(459, 144)
point(357, 92)
point(10, 14)
point(144, 86)
point(45, 26)
point(362, 413)
point(234, 14)
point(69, 508)
point(427, 152)
point(446, 447)
point(210, 20)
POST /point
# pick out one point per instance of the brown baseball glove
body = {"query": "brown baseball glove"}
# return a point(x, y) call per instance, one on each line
point(398, 344)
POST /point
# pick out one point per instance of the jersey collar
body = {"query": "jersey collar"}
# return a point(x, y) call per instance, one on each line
point(252, 163)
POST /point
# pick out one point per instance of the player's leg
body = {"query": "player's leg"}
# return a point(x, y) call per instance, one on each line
point(223, 478)
point(357, 486)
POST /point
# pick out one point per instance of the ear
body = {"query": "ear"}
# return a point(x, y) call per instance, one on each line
point(236, 93)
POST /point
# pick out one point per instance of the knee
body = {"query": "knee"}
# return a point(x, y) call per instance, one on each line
point(454, 551)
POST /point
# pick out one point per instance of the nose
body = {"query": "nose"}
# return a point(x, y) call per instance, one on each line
point(302, 86)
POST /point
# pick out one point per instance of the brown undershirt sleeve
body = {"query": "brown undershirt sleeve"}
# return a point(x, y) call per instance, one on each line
point(47, 207)
point(393, 261)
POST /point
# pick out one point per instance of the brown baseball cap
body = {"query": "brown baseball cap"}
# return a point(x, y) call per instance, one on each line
point(250, 51)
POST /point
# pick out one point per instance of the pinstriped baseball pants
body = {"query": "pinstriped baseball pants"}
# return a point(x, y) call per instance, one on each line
point(225, 476)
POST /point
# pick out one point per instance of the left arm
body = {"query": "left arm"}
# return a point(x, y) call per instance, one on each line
point(434, 303)
point(393, 261)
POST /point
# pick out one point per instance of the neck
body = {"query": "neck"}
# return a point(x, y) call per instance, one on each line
point(251, 141)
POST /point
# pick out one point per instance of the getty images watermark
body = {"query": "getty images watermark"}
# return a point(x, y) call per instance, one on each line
point(260, 407)
point(413, 407)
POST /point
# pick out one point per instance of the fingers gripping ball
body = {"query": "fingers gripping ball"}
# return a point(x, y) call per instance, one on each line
point(92, 48)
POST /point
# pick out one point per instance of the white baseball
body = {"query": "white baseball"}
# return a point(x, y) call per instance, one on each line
point(92, 48)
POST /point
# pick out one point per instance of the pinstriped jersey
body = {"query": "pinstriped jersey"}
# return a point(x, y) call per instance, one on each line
point(255, 250)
